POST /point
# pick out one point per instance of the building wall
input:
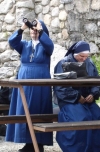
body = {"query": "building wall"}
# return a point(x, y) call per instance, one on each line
point(68, 21)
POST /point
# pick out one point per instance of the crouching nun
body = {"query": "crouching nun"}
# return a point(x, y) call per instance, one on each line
point(78, 104)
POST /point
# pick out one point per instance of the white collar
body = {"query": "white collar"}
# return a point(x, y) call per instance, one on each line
point(35, 43)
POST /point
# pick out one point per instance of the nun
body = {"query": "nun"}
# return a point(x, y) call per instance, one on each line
point(35, 64)
point(78, 104)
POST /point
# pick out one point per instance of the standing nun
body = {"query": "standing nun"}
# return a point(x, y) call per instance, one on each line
point(78, 104)
point(35, 64)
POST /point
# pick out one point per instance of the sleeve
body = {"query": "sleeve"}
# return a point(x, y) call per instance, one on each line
point(65, 94)
point(46, 43)
point(20, 31)
point(15, 41)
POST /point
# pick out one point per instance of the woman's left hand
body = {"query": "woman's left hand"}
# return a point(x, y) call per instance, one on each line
point(89, 98)
point(38, 26)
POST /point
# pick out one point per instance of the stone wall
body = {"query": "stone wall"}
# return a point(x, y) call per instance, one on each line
point(67, 20)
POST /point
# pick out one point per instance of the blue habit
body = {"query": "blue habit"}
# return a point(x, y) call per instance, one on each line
point(39, 98)
point(72, 111)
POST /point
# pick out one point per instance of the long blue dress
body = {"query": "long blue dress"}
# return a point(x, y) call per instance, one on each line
point(39, 98)
point(72, 111)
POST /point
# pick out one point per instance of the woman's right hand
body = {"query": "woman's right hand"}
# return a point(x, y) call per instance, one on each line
point(23, 27)
point(82, 100)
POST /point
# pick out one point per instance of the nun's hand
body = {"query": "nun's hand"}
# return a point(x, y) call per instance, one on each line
point(39, 26)
point(82, 100)
point(23, 27)
point(89, 98)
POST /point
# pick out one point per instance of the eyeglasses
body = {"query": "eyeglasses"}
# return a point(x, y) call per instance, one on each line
point(84, 55)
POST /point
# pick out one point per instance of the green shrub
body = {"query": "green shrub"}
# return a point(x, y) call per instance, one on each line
point(96, 60)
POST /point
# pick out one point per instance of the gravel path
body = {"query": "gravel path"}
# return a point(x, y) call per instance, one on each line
point(13, 147)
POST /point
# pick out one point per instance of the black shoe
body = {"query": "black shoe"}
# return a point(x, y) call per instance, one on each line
point(41, 148)
point(2, 130)
point(30, 148)
point(27, 148)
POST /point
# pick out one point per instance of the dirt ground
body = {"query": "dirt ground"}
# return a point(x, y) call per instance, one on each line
point(13, 147)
